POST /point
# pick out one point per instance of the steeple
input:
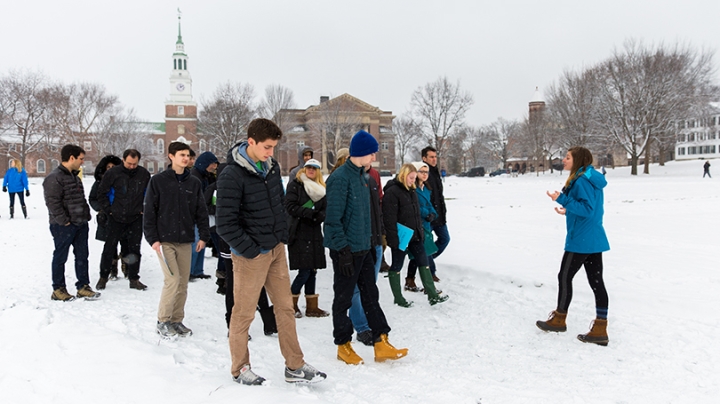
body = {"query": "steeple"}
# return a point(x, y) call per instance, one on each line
point(180, 80)
point(179, 41)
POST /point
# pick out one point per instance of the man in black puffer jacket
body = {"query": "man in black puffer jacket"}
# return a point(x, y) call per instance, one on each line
point(251, 218)
point(121, 194)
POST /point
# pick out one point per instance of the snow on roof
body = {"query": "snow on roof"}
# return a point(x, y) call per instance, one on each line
point(537, 97)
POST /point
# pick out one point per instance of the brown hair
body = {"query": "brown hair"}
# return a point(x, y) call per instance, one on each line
point(582, 158)
point(261, 129)
point(405, 170)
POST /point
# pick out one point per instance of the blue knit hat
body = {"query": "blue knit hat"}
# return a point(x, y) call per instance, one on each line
point(363, 144)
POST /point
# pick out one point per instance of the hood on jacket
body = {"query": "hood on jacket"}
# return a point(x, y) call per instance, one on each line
point(101, 167)
point(238, 154)
point(595, 178)
point(203, 161)
point(302, 151)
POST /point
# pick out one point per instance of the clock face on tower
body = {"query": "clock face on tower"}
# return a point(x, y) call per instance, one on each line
point(180, 86)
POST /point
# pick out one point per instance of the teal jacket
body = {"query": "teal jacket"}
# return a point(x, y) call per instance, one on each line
point(347, 218)
point(583, 201)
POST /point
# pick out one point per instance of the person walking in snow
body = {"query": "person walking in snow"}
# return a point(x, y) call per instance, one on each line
point(101, 233)
point(305, 203)
point(706, 170)
point(204, 170)
point(427, 214)
point(15, 182)
point(401, 209)
point(174, 205)
point(439, 225)
point(251, 218)
point(582, 205)
point(348, 235)
point(69, 215)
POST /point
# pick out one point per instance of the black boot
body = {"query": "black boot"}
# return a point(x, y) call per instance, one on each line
point(268, 317)
point(24, 209)
point(12, 212)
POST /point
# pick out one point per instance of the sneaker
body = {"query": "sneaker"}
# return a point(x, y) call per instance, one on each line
point(102, 282)
point(62, 295)
point(201, 276)
point(165, 329)
point(366, 337)
point(87, 293)
point(305, 374)
point(181, 329)
point(249, 378)
point(136, 284)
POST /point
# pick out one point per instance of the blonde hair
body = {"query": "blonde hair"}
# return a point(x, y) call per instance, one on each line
point(318, 176)
point(17, 164)
point(405, 170)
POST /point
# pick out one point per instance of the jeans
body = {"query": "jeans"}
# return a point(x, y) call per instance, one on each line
point(305, 277)
point(442, 241)
point(357, 313)
point(197, 265)
point(364, 278)
point(64, 237)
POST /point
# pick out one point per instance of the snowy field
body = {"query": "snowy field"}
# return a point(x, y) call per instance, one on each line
point(481, 346)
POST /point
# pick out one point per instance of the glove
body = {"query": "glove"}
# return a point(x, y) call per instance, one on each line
point(4, 189)
point(27, 192)
point(346, 262)
point(102, 218)
point(430, 217)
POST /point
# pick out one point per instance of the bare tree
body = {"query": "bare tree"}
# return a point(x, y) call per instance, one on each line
point(224, 118)
point(407, 137)
point(76, 110)
point(119, 130)
point(501, 138)
point(276, 99)
point(440, 108)
point(24, 102)
point(570, 109)
point(338, 120)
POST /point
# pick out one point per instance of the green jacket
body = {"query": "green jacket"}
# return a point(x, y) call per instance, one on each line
point(347, 218)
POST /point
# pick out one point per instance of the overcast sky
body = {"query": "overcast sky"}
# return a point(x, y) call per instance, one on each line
point(378, 51)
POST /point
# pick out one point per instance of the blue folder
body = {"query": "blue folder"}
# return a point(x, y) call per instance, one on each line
point(404, 235)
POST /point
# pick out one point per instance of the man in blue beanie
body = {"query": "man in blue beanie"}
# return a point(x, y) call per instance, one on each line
point(204, 169)
point(348, 233)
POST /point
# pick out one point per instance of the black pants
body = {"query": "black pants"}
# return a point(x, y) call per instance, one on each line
point(130, 233)
point(417, 248)
point(22, 198)
point(344, 287)
point(570, 266)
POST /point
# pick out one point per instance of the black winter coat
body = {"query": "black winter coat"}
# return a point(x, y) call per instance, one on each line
point(250, 208)
point(376, 217)
point(437, 197)
point(305, 243)
point(173, 207)
point(65, 197)
point(401, 205)
point(127, 188)
point(101, 233)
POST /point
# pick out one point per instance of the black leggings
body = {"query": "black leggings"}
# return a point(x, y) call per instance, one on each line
point(12, 198)
point(570, 266)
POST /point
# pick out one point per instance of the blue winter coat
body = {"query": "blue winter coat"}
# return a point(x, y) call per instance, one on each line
point(15, 181)
point(583, 201)
point(426, 207)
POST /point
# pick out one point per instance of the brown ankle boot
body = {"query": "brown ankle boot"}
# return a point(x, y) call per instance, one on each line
point(410, 285)
point(312, 309)
point(555, 322)
point(298, 313)
point(598, 333)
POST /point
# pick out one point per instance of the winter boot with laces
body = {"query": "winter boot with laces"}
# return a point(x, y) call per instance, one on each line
point(385, 351)
point(555, 322)
point(62, 295)
point(598, 333)
point(248, 377)
point(101, 283)
point(312, 309)
point(298, 313)
point(347, 354)
point(87, 293)
point(410, 285)
point(136, 284)
point(366, 337)
point(165, 329)
point(394, 278)
point(434, 297)
point(304, 374)
point(181, 329)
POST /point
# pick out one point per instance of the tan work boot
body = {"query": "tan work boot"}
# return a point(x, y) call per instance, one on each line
point(385, 351)
point(87, 293)
point(555, 322)
point(298, 313)
point(312, 309)
point(62, 295)
point(347, 354)
point(598, 333)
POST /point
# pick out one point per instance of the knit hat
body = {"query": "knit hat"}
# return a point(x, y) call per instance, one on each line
point(419, 164)
point(342, 153)
point(313, 163)
point(363, 144)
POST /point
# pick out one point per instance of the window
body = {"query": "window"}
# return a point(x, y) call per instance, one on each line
point(54, 163)
point(181, 129)
point(41, 166)
point(681, 151)
point(300, 143)
point(181, 110)
point(691, 137)
point(161, 146)
point(384, 146)
point(175, 64)
point(202, 146)
point(384, 161)
point(150, 165)
point(708, 149)
point(87, 145)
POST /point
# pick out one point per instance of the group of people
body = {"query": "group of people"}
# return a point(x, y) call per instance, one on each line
point(254, 217)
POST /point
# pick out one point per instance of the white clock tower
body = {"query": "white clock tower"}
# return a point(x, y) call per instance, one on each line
point(180, 109)
point(180, 80)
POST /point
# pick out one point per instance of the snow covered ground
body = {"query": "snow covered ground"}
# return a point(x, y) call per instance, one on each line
point(481, 346)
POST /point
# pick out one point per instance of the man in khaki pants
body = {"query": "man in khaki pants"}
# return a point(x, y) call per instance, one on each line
point(174, 205)
point(251, 218)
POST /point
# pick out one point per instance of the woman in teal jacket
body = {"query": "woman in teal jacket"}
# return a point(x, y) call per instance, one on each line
point(15, 182)
point(582, 206)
